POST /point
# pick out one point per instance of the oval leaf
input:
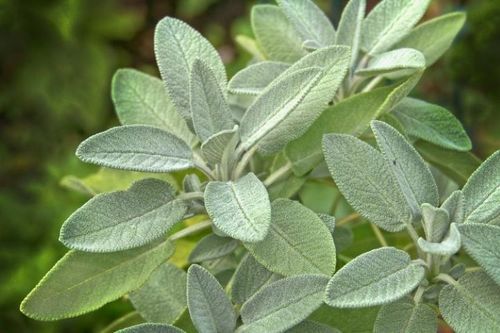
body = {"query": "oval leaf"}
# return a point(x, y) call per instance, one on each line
point(449, 246)
point(255, 78)
point(406, 317)
point(151, 328)
point(349, 30)
point(212, 247)
point(395, 63)
point(214, 147)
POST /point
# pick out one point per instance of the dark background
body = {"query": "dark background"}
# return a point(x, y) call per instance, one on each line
point(57, 58)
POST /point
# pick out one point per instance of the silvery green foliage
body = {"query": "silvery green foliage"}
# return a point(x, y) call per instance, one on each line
point(269, 253)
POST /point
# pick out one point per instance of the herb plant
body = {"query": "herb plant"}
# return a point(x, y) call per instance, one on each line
point(316, 107)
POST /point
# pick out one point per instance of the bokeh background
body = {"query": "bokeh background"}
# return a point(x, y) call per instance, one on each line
point(57, 58)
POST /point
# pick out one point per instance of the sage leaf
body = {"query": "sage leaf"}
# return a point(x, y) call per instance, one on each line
point(240, 209)
point(249, 278)
point(151, 328)
point(209, 307)
point(124, 219)
point(212, 247)
point(136, 148)
point(359, 320)
point(272, 107)
point(436, 222)
point(366, 181)
point(309, 21)
point(253, 79)
point(435, 36)
point(376, 277)
point(389, 22)
point(275, 35)
point(349, 30)
point(395, 63)
point(162, 298)
point(406, 317)
point(412, 174)
point(309, 326)
point(481, 242)
point(250, 45)
point(177, 46)
point(213, 148)
point(449, 246)
point(209, 109)
point(471, 304)
point(82, 282)
point(454, 205)
point(275, 309)
point(298, 242)
point(482, 193)
point(432, 123)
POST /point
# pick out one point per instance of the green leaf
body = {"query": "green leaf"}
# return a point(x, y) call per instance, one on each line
point(82, 282)
point(343, 238)
point(395, 63)
point(286, 188)
point(252, 80)
point(309, 21)
point(349, 30)
point(406, 317)
point(455, 205)
point(136, 148)
point(212, 247)
point(213, 148)
point(250, 45)
point(275, 308)
point(209, 109)
point(275, 104)
point(389, 22)
point(376, 277)
point(365, 180)
point(249, 278)
point(131, 318)
point(308, 326)
point(472, 304)
point(436, 222)
point(434, 37)
point(162, 298)
point(151, 328)
point(141, 99)
point(298, 242)
point(482, 193)
point(455, 164)
point(240, 209)
point(347, 320)
point(350, 116)
point(412, 174)
point(275, 35)
point(432, 123)
point(209, 307)
point(481, 242)
point(177, 46)
point(124, 219)
point(449, 246)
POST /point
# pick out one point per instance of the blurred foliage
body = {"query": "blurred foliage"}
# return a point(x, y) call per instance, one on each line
point(57, 58)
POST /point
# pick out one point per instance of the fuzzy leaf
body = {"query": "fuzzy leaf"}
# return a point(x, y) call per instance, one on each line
point(249, 278)
point(82, 282)
point(349, 30)
point(240, 209)
point(482, 193)
point(212, 247)
point(366, 181)
point(162, 298)
point(177, 46)
point(209, 307)
point(481, 242)
point(406, 317)
point(275, 308)
point(141, 99)
point(124, 219)
point(436, 222)
point(449, 246)
point(209, 109)
point(395, 63)
point(472, 304)
point(151, 328)
point(454, 205)
point(298, 242)
point(255, 78)
point(309, 21)
point(309, 326)
point(275, 35)
point(376, 277)
point(412, 174)
point(359, 320)
point(136, 148)
point(432, 123)
point(434, 37)
point(213, 148)
point(389, 22)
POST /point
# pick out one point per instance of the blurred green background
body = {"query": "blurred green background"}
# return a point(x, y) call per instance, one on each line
point(57, 58)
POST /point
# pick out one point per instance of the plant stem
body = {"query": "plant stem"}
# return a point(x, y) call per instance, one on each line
point(414, 236)
point(418, 294)
point(192, 229)
point(379, 235)
point(373, 83)
point(240, 167)
point(284, 170)
point(446, 278)
point(191, 196)
point(202, 166)
point(347, 219)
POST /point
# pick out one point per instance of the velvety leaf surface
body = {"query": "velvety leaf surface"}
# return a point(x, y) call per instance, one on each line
point(403, 61)
point(455, 205)
point(212, 247)
point(151, 328)
point(309, 326)
point(349, 30)
point(436, 222)
point(406, 317)
point(447, 247)
point(213, 148)
point(256, 77)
